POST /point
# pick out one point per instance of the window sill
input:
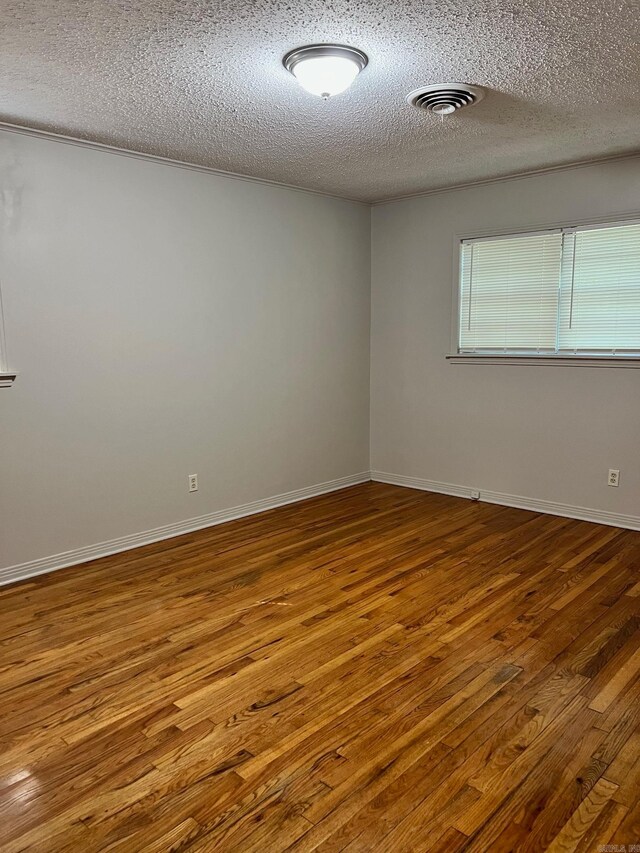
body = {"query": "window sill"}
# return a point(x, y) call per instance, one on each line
point(7, 379)
point(548, 360)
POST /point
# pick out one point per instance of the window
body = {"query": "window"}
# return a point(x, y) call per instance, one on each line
point(563, 292)
point(6, 377)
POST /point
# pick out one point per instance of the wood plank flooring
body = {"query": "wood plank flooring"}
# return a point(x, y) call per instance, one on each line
point(378, 669)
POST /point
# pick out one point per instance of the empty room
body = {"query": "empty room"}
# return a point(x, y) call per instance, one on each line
point(319, 426)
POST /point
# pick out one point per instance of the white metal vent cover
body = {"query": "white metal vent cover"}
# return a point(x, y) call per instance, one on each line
point(445, 98)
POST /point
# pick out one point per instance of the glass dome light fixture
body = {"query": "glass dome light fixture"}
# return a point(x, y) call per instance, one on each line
point(325, 69)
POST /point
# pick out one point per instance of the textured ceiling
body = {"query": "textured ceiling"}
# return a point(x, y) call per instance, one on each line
point(203, 82)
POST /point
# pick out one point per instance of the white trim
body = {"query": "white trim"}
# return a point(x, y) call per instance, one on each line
point(167, 161)
point(586, 223)
point(22, 571)
point(156, 158)
point(513, 176)
point(548, 360)
point(423, 485)
point(10, 574)
point(6, 377)
point(507, 232)
point(466, 241)
point(597, 516)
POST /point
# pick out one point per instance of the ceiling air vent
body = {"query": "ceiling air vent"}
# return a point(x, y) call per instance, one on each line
point(445, 98)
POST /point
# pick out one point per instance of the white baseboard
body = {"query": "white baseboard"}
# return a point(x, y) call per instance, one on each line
point(22, 571)
point(598, 516)
point(10, 574)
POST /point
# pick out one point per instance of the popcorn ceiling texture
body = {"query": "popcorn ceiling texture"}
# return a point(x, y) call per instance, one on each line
point(203, 82)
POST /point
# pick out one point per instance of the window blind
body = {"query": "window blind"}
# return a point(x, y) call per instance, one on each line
point(600, 291)
point(562, 291)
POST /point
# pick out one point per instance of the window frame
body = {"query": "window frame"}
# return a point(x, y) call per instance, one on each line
point(7, 377)
point(454, 355)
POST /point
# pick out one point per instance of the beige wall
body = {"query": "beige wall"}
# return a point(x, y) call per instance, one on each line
point(167, 322)
point(549, 433)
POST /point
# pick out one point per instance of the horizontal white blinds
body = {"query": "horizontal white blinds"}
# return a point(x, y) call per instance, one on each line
point(509, 293)
point(600, 291)
point(563, 291)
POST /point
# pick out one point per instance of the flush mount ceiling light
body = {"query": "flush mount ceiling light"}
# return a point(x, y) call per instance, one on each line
point(445, 98)
point(325, 69)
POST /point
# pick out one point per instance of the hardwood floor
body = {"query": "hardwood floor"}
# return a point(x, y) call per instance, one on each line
point(375, 669)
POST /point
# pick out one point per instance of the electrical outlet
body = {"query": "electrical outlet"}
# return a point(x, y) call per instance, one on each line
point(614, 477)
point(193, 482)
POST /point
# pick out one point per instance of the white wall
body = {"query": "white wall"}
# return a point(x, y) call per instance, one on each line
point(165, 322)
point(549, 433)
